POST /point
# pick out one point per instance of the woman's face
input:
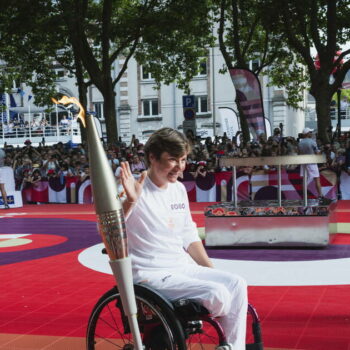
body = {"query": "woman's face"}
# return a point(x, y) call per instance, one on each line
point(167, 168)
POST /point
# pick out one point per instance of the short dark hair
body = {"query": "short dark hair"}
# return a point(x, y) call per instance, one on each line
point(166, 140)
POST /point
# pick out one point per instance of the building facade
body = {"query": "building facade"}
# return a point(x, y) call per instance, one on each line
point(141, 108)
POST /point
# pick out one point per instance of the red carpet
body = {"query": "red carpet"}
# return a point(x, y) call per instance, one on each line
point(53, 296)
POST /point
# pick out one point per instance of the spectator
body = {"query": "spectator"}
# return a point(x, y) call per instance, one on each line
point(51, 163)
point(85, 173)
point(33, 177)
point(308, 146)
point(137, 166)
point(112, 159)
point(64, 124)
point(277, 135)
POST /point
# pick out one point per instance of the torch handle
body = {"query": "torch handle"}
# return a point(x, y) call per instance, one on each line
point(122, 272)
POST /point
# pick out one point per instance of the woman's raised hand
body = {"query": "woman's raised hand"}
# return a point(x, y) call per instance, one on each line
point(132, 187)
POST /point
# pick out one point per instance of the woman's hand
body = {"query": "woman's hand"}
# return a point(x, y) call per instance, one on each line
point(132, 187)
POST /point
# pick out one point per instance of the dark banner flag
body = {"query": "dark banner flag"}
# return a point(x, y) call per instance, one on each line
point(249, 98)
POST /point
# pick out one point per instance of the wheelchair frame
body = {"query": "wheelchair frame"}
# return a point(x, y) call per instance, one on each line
point(165, 325)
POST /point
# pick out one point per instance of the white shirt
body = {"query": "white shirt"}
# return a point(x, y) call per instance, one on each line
point(160, 228)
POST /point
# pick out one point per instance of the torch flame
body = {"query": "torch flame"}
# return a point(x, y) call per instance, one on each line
point(65, 100)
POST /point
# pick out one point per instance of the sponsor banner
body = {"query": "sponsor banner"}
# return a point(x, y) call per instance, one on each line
point(249, 98)
point(14, 200)
point(59, 190)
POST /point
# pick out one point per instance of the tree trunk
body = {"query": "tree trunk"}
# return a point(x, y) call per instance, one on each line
point(323, 101)
point(322, 92)
point(109, 110)
point(244, 124)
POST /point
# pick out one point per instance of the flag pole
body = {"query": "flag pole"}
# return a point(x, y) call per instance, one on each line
point(8, 107)
point(57, 127)
point(30, 121)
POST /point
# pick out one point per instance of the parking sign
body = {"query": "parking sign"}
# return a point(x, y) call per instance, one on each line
point(188, 101)
point(189, 107)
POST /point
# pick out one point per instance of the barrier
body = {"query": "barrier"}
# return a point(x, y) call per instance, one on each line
point(14, 200)
point(59, 190)
point(215, 187)
point(259, 185)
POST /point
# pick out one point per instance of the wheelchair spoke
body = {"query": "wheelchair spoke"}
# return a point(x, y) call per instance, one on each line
point(108, 327)
point(205, 339)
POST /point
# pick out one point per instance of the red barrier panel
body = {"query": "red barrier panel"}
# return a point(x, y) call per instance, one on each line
point(215, 187)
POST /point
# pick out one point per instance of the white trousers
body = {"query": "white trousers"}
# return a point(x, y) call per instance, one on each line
point(222, 293)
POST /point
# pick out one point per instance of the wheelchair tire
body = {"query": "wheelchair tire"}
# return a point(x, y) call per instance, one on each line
point(207, 337)
point(108, 326)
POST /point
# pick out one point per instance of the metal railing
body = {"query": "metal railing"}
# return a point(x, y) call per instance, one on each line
point(344, 114)
point(51, 134)
point(279, 161)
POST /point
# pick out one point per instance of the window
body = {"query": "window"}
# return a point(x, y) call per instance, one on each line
point(60, 73)
point(146, 75)
point(202, 68)
point(254, 65)
point(150, 107)
point(201, 104)
point(98, 108)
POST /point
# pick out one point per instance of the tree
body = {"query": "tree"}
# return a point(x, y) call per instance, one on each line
point(26, 53)
point(160, 32)
point(314, 27)
point(242, 38)
point(30, 51)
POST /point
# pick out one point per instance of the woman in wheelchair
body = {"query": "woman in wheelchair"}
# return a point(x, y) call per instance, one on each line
point(176, 286)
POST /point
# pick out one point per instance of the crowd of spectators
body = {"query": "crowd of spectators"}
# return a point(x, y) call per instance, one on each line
point(205, 154)
point(31, 164)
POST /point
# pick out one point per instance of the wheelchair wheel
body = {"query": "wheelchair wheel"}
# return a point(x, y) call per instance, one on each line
point(108, 327)
point(202, 335)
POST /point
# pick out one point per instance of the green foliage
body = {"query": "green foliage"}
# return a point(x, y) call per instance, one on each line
point(175, 41)
point(242, 36)
point(290, 74)
point(29, 48)
point(309, 26)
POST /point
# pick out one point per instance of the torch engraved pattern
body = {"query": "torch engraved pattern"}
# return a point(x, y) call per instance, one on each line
point(112, 230)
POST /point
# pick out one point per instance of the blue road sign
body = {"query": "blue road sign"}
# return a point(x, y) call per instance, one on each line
point(188, 101)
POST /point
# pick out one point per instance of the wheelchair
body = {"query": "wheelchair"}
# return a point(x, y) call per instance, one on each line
point(164, 325)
